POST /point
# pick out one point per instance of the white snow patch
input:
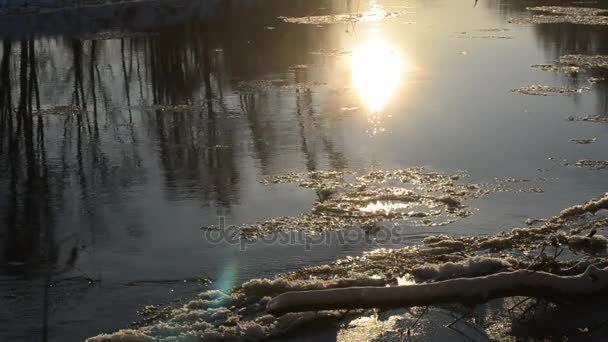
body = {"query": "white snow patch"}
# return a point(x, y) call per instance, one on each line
point(127, 335)
point(272, 287)
point(471, 267)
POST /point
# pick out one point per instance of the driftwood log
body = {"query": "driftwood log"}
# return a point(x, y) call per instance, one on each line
point(468, 291)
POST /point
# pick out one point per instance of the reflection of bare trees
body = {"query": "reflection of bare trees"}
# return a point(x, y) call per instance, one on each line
point(71, 113)
point(76, 116)
point(196, 141)
point(310, 127)
point(74, 113)
point(28, 217)
point(39, 177)
point(191, 66)
point(251, 51)
point(6, 105)
point(176, 66)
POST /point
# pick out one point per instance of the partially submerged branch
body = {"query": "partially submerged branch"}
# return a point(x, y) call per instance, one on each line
point(468, 291)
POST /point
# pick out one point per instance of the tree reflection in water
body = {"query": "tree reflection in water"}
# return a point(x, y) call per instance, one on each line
point(85, 120)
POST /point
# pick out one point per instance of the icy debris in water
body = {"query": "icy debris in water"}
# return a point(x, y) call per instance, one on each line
point(592, 207)
point(127, 335)
point(298, 67)
point(584, 141)
point(588, 118)
point(595, 80)
point(211, 298)
point(372, 15)
point(346, 200)
point(472, 267)
point(148, 310)
point(493, 37)
point(573, 64)
point(445, 246)
point(211, 315)
point(244, 316)
point(418, 214)
point(232, 327)
point(495, 29)
point(594, 244)
point(333, 52)
point(585, 61)
point(449, 201)
point(581, 11)
point(515, 185)
point(557, 68)
point(560, 14)
point(435, 238)
point(496, 243)
point(464, 35)
point(544, 90)
point(531, 221)
point(593, 164)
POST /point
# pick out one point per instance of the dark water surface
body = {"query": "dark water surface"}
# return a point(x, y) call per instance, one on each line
point(125, 128)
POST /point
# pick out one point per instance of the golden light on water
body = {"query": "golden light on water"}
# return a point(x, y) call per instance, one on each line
point(384, 207)
point(376, 72)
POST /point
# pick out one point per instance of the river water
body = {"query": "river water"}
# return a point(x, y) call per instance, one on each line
point(126, 127)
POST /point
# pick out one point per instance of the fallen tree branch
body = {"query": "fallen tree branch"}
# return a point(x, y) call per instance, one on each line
point(468, 291)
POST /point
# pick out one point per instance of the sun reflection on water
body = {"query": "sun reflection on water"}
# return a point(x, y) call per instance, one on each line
point(376, 69)
point(386, 207)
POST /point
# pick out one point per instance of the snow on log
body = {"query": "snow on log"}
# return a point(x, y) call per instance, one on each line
point(467, 291)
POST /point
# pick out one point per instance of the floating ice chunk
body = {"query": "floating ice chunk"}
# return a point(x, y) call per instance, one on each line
point(592, 207)
point(127, 335)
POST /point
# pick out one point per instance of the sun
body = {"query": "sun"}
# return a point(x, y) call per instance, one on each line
point(376, 72)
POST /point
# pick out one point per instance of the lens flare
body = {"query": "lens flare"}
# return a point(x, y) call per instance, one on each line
point(227, 277)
